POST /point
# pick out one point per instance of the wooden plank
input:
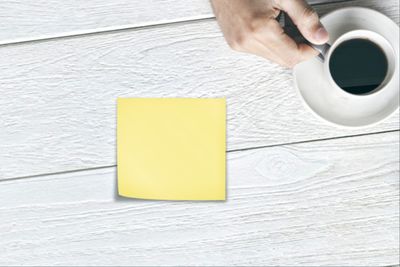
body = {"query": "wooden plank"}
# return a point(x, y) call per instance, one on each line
point(58, 98)
point(31, 20)
point(322, 203)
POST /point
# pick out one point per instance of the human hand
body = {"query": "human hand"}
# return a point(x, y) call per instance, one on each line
point(251, 26)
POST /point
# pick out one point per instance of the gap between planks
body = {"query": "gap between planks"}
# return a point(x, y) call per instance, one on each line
point(228, 151)
point(113, 29)
point(129, 27)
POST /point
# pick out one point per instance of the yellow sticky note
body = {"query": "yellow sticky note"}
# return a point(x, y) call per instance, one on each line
point(171, 148)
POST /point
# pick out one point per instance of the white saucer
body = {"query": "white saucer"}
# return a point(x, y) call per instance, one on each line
point(316, 90)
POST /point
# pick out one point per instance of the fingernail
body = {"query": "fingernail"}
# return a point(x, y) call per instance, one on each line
point(321, 35)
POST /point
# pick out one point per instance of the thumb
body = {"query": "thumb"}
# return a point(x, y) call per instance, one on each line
point(306, 20)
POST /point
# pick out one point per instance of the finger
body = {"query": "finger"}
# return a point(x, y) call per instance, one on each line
point(279, 47)
point(306, 20)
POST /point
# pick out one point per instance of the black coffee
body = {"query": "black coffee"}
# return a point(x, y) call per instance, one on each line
point(358, 66)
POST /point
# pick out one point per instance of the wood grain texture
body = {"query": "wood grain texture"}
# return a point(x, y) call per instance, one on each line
point(30, 20)
point(333, 202)
point(58, 101)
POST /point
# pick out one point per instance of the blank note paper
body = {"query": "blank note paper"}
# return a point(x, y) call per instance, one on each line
point(171, 148)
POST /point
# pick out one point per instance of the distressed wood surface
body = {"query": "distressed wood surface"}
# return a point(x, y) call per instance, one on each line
point(333, 202)
point(30, 20)
point(58, 98)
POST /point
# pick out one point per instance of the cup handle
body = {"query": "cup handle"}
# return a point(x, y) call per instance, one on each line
point(322, 49)
point(291, 30)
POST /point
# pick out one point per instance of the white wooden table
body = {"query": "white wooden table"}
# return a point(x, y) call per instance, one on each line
point(300, 192)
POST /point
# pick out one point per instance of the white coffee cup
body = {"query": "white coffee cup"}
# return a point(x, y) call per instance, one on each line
point(351, 110)
point(374, 38)
point(334, 105)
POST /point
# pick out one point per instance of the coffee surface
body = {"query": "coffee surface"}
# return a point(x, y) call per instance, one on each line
point(358, 66)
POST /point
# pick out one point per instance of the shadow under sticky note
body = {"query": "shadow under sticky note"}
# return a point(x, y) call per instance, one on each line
point(171, 148)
